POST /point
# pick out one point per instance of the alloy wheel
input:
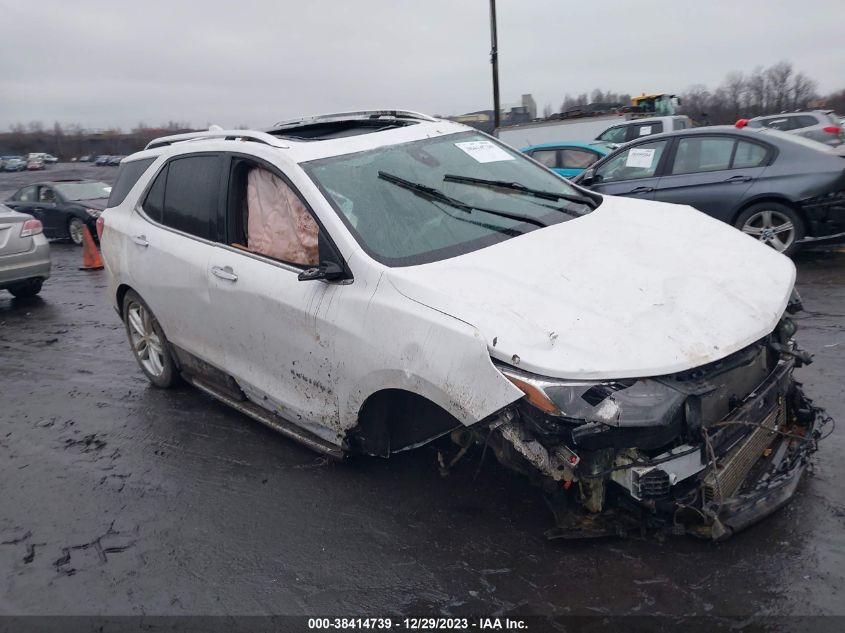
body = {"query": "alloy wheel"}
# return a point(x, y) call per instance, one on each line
point(146, 343)
point(74, 229)
point(771, 227)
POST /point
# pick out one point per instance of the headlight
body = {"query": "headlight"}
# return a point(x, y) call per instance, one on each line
point(94, 213)
point(628, 402)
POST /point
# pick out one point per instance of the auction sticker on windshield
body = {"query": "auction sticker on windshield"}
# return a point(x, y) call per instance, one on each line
point(484, 151)
point(640, 158)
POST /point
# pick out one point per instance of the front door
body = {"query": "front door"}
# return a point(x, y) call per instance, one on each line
point(271, 326)
point(633, 172)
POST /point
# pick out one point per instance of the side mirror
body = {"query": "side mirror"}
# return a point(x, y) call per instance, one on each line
point(587, 177)
point(327, 270)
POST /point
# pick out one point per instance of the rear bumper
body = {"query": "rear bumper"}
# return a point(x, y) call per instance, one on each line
point(31, 264)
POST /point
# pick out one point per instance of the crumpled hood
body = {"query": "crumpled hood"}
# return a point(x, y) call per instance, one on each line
point(636, 288)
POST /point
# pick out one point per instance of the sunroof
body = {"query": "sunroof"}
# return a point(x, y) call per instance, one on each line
point(324, 130)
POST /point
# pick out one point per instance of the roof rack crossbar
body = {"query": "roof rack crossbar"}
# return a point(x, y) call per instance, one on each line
point(229, 135)
point(355, 114)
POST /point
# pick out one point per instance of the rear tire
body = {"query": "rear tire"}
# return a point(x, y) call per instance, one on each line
point(74, 230)
point(148, 342)
point(28, 288)
point(773, 224)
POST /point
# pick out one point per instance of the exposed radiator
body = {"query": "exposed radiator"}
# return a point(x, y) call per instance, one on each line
point(734, 466)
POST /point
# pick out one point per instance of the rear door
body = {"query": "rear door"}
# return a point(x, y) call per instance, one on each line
point(171, 233)
point(26, 201)
point(712, 173)
point(634, 171)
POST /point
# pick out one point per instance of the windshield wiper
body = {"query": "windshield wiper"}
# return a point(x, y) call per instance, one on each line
point(438, 196)
point(515, 186)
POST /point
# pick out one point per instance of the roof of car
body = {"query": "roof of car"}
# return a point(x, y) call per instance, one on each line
point(313, 138)
point(600, 146)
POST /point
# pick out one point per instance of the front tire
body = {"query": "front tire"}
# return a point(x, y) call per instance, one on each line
point(28, 288)
point(74, 230)
point(148, 342)
point(774, 224)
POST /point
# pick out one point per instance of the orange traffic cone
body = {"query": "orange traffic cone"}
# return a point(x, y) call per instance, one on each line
point(91, 259)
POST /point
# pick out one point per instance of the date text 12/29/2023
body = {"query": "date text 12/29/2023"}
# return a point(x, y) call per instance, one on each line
point(417, 624)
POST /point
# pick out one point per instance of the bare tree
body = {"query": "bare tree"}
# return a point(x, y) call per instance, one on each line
point(547, 110)
point(757, 91)
point(803, 90)
point(697, 100)
point(733, 93)
point(778, 81)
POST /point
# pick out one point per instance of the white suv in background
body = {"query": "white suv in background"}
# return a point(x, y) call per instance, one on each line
point(368, 282)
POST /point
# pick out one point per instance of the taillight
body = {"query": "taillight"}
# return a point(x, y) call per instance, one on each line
point(100, 225)
point(832, 129)
point(31, 227)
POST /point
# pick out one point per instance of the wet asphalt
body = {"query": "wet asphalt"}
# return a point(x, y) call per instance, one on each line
point(119, 498)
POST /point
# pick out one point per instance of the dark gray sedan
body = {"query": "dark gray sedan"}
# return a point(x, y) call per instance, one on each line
point(779, 188)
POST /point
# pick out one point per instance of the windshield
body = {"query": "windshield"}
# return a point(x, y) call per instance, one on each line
point(83, 190)
point(400, 225)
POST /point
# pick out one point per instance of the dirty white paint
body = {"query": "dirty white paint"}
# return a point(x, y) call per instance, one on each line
point(634, 289)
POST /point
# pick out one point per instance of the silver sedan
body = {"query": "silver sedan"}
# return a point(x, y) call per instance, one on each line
point(24, 253)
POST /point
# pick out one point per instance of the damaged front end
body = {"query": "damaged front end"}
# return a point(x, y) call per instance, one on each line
point(706, 452)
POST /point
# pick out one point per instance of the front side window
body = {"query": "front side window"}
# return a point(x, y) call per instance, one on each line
point(547, 157)
point(632, 164)
point(431, 199)
point(614, 135)
point(27, 194)
point(191, 194)
point(697, 154)
point(267, 217)
point(46, 195)
point(572, 158)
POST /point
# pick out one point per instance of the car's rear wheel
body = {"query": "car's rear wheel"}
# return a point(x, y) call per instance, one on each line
point(28, 288)
point(74, 230)
point(774, 224)
point(149, 344)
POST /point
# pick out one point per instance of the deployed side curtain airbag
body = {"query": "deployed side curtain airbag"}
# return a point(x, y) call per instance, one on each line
point(279, 225)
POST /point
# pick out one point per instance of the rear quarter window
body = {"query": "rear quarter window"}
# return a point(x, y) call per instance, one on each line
point(127, 175)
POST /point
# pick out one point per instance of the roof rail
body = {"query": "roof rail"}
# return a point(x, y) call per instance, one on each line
point(355, 114)
point(228, 135)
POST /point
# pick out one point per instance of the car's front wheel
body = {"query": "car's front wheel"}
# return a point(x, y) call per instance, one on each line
point(74, 230)
point(149, 344)
point(774, 224)
point(28, 288)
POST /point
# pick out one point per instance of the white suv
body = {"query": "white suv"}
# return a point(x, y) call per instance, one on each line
point(368, 282)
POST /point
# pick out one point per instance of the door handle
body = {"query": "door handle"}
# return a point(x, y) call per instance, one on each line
point(642, 190)
point(738, 179)
point(141, 240)
point(224, 273)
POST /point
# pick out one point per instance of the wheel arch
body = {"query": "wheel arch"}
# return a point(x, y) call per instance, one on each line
point(395, 419)
point(769, 197)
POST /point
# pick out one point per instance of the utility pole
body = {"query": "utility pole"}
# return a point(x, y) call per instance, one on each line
point(494, 60)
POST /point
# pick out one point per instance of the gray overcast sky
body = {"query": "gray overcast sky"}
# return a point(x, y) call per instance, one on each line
point(115, 63)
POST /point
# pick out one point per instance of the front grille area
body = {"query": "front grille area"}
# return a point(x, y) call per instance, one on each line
point(652, 485)
point(733, 467)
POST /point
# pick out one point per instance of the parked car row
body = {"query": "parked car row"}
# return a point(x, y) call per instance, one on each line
point(112, 161)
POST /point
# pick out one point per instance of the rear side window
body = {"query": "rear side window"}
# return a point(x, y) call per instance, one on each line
point(805, 120)
point(191, 194)
point(749, 155)
point(127, 175)
point(698, 154)
point(646, 129)
point(154, 203)
point(780, 123)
